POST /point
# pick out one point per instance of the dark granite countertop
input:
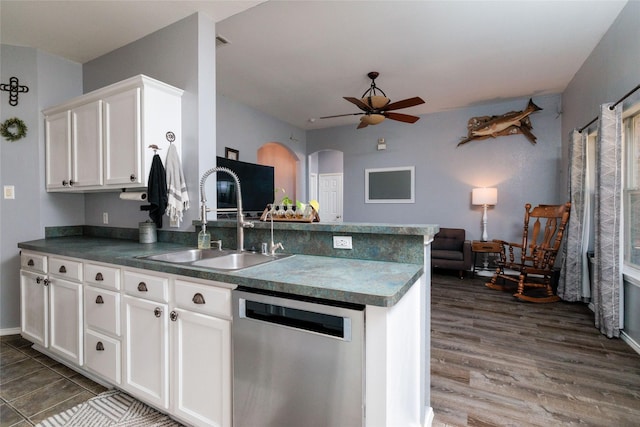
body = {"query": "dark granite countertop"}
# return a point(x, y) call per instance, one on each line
point(368, 282)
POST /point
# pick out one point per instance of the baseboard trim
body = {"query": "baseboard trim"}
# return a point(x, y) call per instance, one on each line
point(632, 343)
point(9, 331)
point(428, 417)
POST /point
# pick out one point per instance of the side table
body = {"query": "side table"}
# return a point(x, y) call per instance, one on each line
point(478, 246)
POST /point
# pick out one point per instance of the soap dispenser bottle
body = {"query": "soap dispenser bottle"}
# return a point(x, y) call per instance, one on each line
point(204, 239)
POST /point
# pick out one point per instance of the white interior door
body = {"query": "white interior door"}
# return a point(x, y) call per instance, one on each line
point(330, 197)
point(313, 186)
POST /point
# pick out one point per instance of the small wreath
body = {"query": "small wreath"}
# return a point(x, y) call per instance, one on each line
point(9, 124)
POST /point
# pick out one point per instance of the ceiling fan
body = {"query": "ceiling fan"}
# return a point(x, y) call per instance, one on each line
point(376, 106)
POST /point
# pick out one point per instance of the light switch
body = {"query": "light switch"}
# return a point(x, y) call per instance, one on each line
point(9, 192)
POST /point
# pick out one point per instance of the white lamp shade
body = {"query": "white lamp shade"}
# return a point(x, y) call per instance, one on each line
point(484, 196)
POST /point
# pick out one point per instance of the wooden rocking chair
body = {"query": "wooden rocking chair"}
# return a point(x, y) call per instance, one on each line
point(530, 264)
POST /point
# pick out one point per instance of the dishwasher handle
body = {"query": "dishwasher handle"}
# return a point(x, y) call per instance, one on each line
point(304, 320)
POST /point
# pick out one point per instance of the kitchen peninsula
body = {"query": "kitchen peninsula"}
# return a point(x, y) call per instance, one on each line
point(387, 272)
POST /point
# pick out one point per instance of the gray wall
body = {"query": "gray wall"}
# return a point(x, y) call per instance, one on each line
point(50, 80)
point(446, 174)
point(182, 55)
point(246, 129)
point(610, 71)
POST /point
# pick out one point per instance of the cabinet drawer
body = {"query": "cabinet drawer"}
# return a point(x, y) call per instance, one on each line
point(146, 286)
point(203, 298)
point(66, 268)
point(33, 262)
point(103, 276)
point(102, 355)
point(102, 310)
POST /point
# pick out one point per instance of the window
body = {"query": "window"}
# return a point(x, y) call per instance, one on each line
point(632, 191)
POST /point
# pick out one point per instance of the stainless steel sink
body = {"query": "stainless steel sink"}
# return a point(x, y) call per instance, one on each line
point(215, 259)
point(236, 261)
point(187, 256)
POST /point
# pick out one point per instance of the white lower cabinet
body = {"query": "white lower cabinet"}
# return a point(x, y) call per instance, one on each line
point(65, 302)
point(102, 313)
point(146, 338)
point(163, 339)
point(103, 356)
point(34, 307)
point(201, 360)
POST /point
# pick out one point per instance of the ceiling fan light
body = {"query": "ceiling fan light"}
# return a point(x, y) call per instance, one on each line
point(375, 101)
point(372, 119)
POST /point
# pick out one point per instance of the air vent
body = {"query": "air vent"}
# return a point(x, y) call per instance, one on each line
point(221, 40)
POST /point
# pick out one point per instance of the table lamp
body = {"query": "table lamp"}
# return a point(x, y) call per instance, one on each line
point(484, 197)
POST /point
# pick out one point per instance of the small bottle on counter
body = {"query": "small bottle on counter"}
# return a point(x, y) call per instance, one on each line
point(204, 239)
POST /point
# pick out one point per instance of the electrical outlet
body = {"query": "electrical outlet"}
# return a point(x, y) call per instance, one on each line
point(105, 217)
point(342, 242)
point(9, 192)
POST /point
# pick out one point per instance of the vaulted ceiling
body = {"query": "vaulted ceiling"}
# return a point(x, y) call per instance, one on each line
point(295, 60)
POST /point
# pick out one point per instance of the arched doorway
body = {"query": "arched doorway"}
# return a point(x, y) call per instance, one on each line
point(285, 163)
point(326, 171)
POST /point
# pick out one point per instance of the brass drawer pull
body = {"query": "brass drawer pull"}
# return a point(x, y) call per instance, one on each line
point(142, 287)
point(198, 298)
point(99, 300)
point(99, 277)
point(100, 346)
point(30, 263)
point(62, 269)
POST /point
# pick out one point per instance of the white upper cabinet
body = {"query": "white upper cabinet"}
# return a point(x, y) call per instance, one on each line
point(58, 150)
point(100, 141)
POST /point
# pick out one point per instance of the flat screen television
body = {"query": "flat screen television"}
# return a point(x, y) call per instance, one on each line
point(256, 181)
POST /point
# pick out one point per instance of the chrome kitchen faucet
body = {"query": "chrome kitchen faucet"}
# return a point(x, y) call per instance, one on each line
point(240, 222)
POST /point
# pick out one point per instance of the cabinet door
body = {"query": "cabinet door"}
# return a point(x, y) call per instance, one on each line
point(122, 139)
point(146, 350)
point(66, 319)
point(58, 150)
point(34, 308)
point(86, 153)
point(201, 357)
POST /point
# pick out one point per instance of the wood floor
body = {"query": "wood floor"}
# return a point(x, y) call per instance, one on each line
point(496, 361)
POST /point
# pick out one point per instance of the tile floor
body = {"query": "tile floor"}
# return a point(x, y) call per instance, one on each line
point(34, 386)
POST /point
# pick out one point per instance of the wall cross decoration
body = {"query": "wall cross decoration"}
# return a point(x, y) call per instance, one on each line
point(14, 89)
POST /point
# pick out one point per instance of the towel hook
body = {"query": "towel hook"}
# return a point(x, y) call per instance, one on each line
point(155, 148)
point(170, 137)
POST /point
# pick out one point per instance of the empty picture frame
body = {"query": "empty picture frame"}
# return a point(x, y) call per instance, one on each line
point(390, 185)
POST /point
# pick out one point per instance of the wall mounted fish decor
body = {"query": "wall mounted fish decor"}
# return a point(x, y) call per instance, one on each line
point(511, 123)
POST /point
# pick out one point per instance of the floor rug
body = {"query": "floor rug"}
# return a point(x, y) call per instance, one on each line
point(112, 408)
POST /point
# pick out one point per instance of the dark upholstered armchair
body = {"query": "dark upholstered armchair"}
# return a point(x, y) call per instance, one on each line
point(451, 251)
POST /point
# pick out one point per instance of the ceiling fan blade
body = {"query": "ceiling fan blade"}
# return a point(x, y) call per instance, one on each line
point(341, 115)
point(358, 103)
point(406, 118)
point(405, 103)
point(362, 124)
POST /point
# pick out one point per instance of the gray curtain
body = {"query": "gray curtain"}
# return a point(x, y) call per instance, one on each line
point(608, 216)
point(570, 287)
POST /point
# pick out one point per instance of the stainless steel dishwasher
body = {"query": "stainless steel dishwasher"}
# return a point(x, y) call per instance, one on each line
point(297, 362)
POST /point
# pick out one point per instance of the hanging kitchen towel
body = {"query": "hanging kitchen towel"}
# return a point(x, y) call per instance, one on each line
point(178, 198)
point(157, 191)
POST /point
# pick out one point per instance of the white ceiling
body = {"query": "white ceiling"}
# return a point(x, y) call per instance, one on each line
point(295, 60)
